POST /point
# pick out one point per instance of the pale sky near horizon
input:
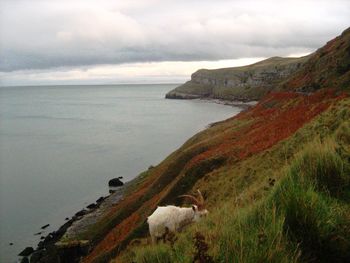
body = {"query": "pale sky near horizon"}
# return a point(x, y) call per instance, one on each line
point(154, 41)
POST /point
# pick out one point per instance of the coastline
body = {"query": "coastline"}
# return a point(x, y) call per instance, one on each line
point(62, 243)
point(241, 103)
point(256, 172)
point(65, 243)
point(233, 103)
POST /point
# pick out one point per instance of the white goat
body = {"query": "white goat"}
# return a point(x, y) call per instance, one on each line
point(172, 219)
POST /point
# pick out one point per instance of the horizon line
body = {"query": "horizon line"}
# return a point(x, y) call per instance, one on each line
point(97, 84)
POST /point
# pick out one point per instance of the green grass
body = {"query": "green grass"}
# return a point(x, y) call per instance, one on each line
point(311, 198)
point(304, 218)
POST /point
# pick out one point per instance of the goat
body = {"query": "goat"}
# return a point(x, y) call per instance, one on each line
point(172, 219)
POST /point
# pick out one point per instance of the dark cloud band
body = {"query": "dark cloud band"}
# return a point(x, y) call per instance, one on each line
point(38, 35)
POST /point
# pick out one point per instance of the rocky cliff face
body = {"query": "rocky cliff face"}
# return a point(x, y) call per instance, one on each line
point(241, 79)
point(239, 83)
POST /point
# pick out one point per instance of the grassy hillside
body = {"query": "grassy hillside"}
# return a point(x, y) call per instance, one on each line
point(327, 67)
point(238, 83)
point(276, 179)
point(302, 216)
point(230, 162)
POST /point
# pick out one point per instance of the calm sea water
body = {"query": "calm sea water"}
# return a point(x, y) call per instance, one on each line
point(59, 146)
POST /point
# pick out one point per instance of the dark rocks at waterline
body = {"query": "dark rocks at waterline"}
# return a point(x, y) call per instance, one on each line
point(51, 253)
point(67, 218)
point(46, 248)
point(49, 237)
point(182, 96)
point(81, 213)
point(45, 226)
point(100, 200)
point(25, 260)
point(92, 206)
point(41, 244)
point(115, 182)
point(26, 252)
point(11, 244)
point(37, 234)
point(36, 256)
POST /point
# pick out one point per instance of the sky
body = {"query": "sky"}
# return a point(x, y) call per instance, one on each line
point(154, 41)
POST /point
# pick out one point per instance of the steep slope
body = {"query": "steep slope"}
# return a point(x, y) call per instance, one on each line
point(238, 83)
point(287, 203)
point(275, 177)
point(232, 159)
point(328, 67)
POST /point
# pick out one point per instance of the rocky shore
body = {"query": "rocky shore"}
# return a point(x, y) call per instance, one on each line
point(62, 245)
point(233, 103)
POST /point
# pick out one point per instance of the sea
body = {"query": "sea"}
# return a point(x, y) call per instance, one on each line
point(59, 146)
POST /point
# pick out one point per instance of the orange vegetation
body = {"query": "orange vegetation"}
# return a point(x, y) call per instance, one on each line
point(273, 119)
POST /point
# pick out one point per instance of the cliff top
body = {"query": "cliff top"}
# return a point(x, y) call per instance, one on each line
point(263, 64)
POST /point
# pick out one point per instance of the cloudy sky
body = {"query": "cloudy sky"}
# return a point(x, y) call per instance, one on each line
point(134, 41)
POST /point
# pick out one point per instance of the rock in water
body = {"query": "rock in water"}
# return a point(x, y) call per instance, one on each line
point(45, 226)
point(26, 252)
point(115, 182)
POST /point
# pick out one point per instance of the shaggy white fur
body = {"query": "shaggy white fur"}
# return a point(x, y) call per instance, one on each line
point(172, 219)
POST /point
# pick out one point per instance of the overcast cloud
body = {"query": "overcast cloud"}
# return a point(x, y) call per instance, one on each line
point(62, 35)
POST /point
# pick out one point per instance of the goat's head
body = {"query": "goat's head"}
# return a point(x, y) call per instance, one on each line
point(198, 205)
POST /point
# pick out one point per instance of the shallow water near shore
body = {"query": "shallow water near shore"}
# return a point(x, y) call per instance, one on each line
point(59, 146)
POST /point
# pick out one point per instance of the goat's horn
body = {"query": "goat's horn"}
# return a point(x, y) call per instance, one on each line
point(200, 196)
point(192, 198)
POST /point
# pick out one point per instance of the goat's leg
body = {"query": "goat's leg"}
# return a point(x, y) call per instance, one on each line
point(153, 239)
point(165, 234)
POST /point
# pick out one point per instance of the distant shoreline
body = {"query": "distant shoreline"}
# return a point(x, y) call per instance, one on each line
point(232, 103)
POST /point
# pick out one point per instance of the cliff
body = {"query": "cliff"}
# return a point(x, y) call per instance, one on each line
point(239, 83)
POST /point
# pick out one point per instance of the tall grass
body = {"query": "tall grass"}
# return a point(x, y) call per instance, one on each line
point(311, 198)
point(163, 255)
point(323, 167)
point(305, 218)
